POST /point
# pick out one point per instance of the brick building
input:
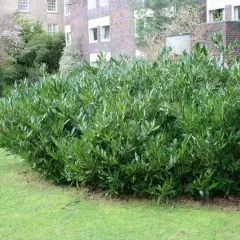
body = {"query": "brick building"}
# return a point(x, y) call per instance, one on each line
point(223, 17)
point(95, 26)
point(107, 26)
point(49, 12)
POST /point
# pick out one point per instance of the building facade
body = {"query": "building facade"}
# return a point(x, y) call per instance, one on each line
point(95, 26)
point(220, 17)
point(49, 12)
point(224, 10)
point(223, 17)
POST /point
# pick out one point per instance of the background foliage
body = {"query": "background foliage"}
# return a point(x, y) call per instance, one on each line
point(71, 58)
point(43, 49)
point(131, 127)
point(28, 28)
point(24, 47)
point(157, 15)
point(158, 20)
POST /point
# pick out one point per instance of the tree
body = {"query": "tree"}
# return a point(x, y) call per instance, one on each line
point(71, 58)
point(10, 40)
point(28, 28)
point(156, 15)
point(160, 19)
point(10, 45)
point(24, 47)
point(15, 32)
point(43, 49)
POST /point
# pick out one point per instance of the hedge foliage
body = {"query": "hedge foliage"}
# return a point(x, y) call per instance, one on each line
point(132, 127)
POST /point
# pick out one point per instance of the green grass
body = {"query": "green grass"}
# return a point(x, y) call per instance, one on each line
point(31, 209)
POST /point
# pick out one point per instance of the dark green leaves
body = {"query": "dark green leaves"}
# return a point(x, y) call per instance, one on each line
point(132, 127)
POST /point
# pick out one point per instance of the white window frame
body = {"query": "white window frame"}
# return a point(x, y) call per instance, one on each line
point(22, 4)
point(103, 3)
point(236, 10)
point(98, 23)
point(68, 35)
point(93, 57)
point(102, 32)
point(52, 5)
point(107, 56)
point(67, 10)
point(91, 35)
point(92, 4)
point(51, 27)
point(211, 15)
point(140, 54)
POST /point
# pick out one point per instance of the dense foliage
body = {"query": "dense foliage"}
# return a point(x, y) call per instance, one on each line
point(131, 127)
point(28, 28)
point(71, 59)
point(155, 16)
point(23, 52)
point(43, 49)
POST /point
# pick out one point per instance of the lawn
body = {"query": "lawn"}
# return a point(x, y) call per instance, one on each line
point(32, 209)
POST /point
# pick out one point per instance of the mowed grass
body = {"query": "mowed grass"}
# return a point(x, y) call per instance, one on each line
point(32, 209)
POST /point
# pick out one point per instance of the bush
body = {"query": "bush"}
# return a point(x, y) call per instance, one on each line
point(43, 49)
point(9, 74)
point(131, 127)
point(23, 52)
point(28, 28)
point(71, 59)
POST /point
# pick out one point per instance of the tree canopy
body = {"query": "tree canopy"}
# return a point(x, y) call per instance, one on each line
point(155, 15)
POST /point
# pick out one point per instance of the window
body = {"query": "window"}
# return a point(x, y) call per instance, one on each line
point(237, 13)
point(96, 24)
point(93, 35)
point(92, 4)
point(94, 57)
point(217, 15)
point(66, 8)
point(52, 28)
point(68, 35)
point(52, 5)
point(23, 6)
point(105, 33)
point(140, 54)
point(103, 3)
point(107, 56)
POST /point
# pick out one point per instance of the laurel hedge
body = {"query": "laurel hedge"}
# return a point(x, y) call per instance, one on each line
point(162, 129)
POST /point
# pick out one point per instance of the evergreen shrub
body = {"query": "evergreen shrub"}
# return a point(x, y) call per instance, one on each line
point(159, 130)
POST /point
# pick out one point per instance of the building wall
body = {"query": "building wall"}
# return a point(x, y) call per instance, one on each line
point(216, 4)
point(230, 31)
point(232, 34)
point(227, 5)
point(179, 43)
point(38, 11)
point(122, 30)
point(229, 28)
